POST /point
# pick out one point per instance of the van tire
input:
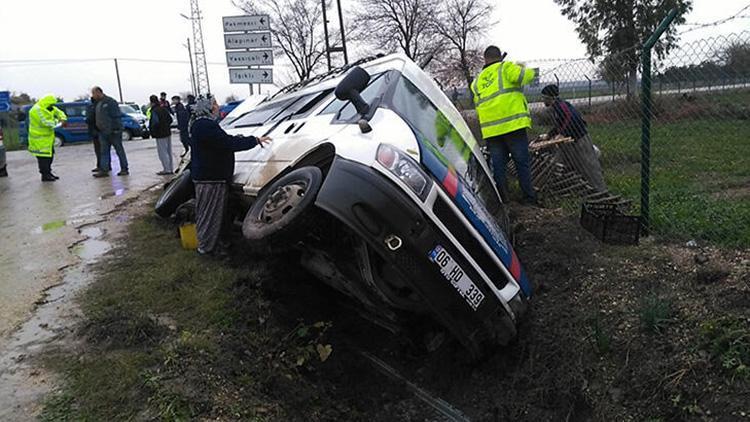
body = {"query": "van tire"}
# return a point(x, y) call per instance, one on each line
point(283, 212)
point(176, 192)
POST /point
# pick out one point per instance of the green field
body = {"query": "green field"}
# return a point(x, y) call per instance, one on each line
point(700, 175)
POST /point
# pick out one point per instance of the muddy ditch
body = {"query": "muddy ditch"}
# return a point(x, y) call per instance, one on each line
point(614, 333)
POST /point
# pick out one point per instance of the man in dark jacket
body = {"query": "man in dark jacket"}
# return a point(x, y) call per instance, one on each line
point(94, 133)
point(160, 127)
point(212, 168)
point(108, 119)
point(183, 120)
point(568, 122)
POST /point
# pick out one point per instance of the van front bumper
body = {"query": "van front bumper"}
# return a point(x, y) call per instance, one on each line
point(377, 209)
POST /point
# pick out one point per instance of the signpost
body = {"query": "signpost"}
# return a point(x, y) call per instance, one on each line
point(250, 58)
point(248, 41)
point(4, 101)
point(246, 23)
point(251, 76)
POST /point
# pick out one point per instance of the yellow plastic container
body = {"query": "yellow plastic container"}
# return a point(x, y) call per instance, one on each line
point(189, 237)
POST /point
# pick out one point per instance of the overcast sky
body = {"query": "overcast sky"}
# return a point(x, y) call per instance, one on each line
point(153, 29)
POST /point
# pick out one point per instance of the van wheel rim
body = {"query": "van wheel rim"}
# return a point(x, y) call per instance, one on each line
point(282, 201)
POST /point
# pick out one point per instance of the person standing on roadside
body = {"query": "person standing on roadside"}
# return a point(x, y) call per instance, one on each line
point(504, 118)
point(93, 133)
point(183, 121)
point(109, 126)
point(212, 168)
point(164, 102)
point(43, 117)
point(159, 125)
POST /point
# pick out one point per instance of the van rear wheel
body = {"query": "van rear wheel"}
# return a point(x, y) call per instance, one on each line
point(283, 212)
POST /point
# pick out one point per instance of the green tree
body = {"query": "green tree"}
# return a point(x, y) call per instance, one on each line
point(620, 27)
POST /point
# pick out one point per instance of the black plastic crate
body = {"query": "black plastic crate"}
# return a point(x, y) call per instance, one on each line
point(610, 225)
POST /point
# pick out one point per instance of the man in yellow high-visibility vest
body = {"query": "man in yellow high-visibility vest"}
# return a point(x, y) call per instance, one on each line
point(504, 117)
point(43, 117)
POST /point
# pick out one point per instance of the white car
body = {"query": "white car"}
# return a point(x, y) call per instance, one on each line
point(375, 177)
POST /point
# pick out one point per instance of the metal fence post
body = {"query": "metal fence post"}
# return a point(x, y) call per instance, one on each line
point(646, 127)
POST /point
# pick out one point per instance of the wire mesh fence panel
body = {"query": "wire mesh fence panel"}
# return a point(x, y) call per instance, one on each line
point(701, 141)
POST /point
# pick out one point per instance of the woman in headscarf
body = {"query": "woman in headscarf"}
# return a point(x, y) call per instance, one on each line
point(212, 167)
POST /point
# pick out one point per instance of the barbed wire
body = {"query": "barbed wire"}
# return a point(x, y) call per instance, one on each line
point(697, 26)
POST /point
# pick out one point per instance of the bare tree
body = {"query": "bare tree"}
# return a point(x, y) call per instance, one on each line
point(452, 70)
point(407, 25)
point(460, 23)
point(297, 28)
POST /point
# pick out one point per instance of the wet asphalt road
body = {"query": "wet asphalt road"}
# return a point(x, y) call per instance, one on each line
point(39, 222)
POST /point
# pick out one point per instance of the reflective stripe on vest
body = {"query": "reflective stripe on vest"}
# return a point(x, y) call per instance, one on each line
point(506, 119)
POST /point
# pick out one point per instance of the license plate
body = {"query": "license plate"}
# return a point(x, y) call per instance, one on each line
point(457, 277)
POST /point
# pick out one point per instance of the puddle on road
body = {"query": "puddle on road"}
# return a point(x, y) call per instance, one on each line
point(20, 384)
point(116, 192)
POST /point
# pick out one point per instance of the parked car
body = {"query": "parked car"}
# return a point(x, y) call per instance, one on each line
point(227, 108)
point(377, 182)
point(3, 165)
point(75, 128)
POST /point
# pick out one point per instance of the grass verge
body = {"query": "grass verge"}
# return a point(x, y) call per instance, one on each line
point(173, 336)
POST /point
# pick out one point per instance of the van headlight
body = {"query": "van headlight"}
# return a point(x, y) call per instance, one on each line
point(405, 168)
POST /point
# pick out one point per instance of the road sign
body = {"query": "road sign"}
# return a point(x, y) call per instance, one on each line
point(251, 76)
point(246, 23)
point(4, 107)
point(252, 40)
point(250, 58)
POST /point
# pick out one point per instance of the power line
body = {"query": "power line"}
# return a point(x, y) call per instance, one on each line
point(54, 62)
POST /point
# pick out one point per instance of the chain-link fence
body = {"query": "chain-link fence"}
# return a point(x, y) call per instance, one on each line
point(700, 137)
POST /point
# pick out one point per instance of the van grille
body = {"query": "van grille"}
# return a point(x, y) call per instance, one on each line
point(457, 228)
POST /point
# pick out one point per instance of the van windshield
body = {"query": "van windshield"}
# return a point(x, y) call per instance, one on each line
point(440, 138)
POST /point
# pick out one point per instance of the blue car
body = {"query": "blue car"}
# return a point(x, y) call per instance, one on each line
point(227, 108)
point(76, 130)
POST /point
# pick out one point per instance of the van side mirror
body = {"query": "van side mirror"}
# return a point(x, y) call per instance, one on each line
point(350, 88)
point(21, 116)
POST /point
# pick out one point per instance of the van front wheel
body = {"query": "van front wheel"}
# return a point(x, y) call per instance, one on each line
point(284, 211)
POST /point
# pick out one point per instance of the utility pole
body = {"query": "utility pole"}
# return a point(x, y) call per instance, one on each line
point(201, 68)
point(119, 85)
point(325, 30)
point(343, 35)
point(192, 69)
